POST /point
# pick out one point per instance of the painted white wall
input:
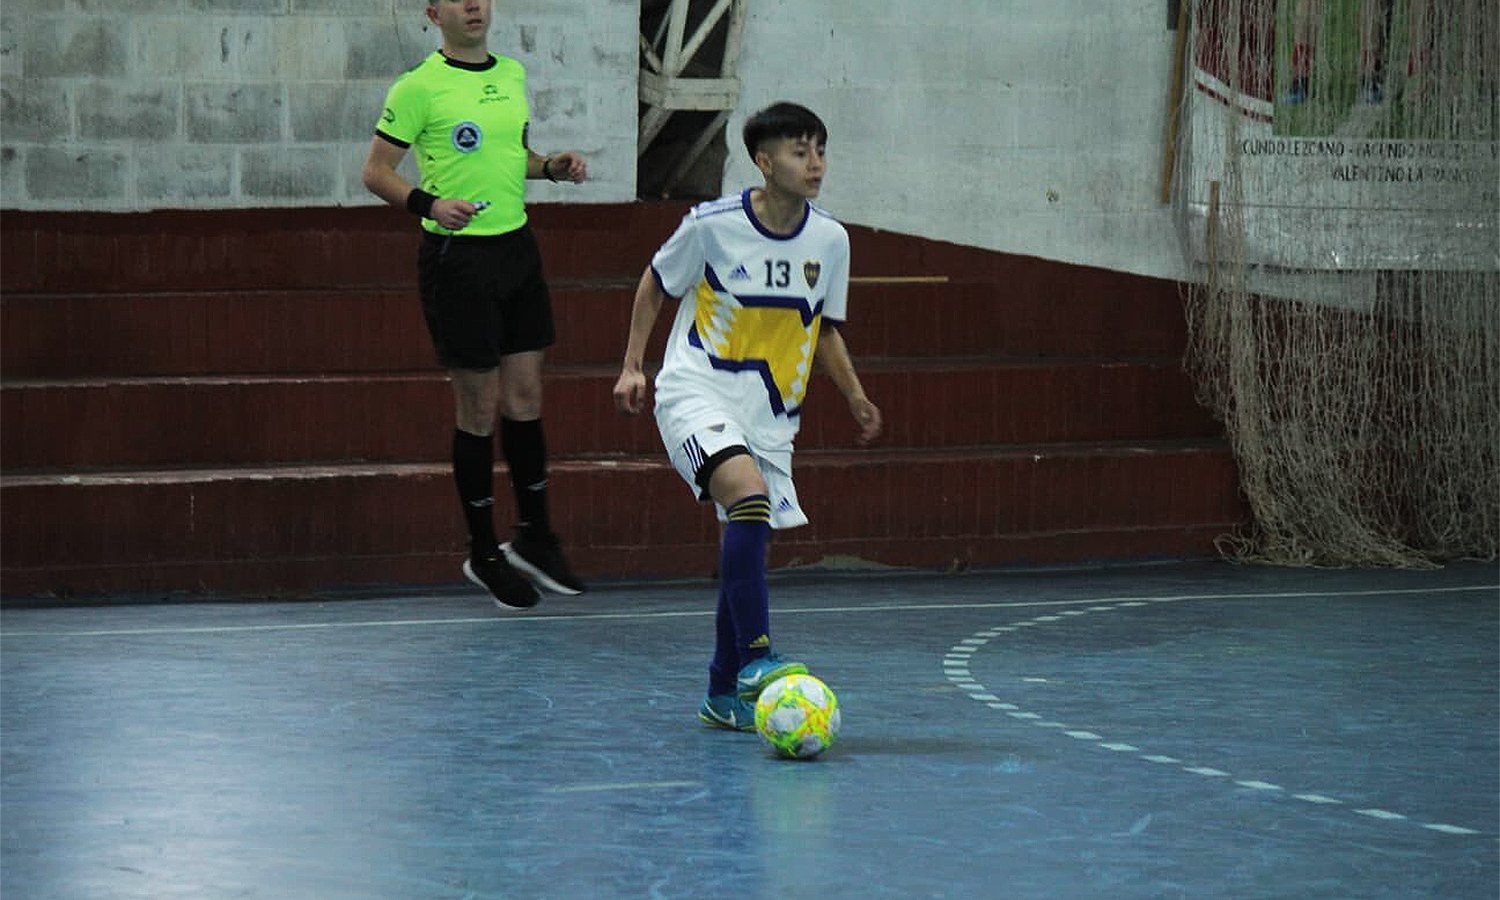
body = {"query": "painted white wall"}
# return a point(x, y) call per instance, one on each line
point(117, 105)
point(1029, 126)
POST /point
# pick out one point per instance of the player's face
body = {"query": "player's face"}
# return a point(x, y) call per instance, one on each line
point(794, 166)
point(464, 23)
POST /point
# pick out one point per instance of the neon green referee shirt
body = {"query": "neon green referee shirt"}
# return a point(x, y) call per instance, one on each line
point(467, 123)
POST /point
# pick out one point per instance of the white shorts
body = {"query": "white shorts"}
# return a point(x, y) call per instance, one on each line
point(688, 457)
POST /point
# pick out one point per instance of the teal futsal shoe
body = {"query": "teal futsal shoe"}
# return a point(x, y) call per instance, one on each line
point(728, 711)
point(757, 673)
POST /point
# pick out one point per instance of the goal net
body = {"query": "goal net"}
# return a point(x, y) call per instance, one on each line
point(1337, 188)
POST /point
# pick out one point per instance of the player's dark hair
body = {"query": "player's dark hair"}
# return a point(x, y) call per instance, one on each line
point(783, 120)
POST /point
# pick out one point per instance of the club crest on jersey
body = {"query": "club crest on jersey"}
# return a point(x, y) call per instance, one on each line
point(467, 137)
point(811, 270)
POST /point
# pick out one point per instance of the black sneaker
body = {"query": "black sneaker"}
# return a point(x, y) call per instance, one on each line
point(540, 558)
point(504, 583)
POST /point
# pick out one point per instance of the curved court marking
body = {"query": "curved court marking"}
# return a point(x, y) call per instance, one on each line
point(956, 668)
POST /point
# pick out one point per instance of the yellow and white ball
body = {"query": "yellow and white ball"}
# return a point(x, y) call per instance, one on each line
point(798, 715)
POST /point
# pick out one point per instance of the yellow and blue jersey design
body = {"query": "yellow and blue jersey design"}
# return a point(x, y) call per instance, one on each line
point(772, 336)
point(752, 306)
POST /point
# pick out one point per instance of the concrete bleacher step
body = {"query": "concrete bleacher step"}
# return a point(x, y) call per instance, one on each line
point(273, 249)
point(103, 423)
point(381, 330)
point(245, 401)
point(294, 528)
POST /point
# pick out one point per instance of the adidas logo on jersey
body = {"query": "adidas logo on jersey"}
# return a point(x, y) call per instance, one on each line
point(740, 273)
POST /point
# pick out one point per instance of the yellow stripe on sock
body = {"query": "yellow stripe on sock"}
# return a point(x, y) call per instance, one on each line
point(750, 509)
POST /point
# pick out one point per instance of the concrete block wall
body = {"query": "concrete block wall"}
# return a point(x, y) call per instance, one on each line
point(148, 104)
point(1025, 127)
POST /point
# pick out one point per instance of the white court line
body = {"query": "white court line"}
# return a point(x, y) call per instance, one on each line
point(959, 675)
point(512, 619)
point(623, 786)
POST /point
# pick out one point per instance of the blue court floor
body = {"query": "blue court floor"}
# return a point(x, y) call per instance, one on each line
point(1156, 731)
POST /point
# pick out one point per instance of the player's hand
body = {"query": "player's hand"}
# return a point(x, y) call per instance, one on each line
point(568, 165)
point(630, 392)
point(867, 415)
point(452, 214)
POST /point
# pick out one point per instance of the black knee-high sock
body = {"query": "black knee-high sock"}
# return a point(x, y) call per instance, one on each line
point(525, 449)
point(474, 473)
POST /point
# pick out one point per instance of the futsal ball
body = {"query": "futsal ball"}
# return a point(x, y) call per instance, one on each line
point(798, 716)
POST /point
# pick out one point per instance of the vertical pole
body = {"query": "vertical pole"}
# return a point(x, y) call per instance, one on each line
point(1174, 101)
point(1212, 237)
point(732, 39)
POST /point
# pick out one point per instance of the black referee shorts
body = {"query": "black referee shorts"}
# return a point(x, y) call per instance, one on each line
point(484, 297)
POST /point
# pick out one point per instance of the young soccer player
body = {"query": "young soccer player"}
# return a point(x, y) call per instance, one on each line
point(480, 274)
point(763, 279)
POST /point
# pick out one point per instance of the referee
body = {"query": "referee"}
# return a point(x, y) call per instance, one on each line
point(464, 111)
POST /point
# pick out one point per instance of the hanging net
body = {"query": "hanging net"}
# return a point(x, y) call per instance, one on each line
point(1338, 195)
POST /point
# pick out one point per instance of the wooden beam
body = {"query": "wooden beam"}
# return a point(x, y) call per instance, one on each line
point(695, 151)
point(732, 38)
point(1174, 101)
point(653, 62)
point(707, 25)
point(688, 93)
point(653, 121)
point(671, 57)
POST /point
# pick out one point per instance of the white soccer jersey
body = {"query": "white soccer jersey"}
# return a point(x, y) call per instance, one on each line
point(752, 304)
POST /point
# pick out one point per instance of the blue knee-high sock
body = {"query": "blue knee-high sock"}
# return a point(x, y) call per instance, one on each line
point(742, 587)
point(726, 662)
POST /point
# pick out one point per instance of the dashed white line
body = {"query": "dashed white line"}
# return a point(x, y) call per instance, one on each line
point(1259, 785)
point(956, 667)
point(1449, 829)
